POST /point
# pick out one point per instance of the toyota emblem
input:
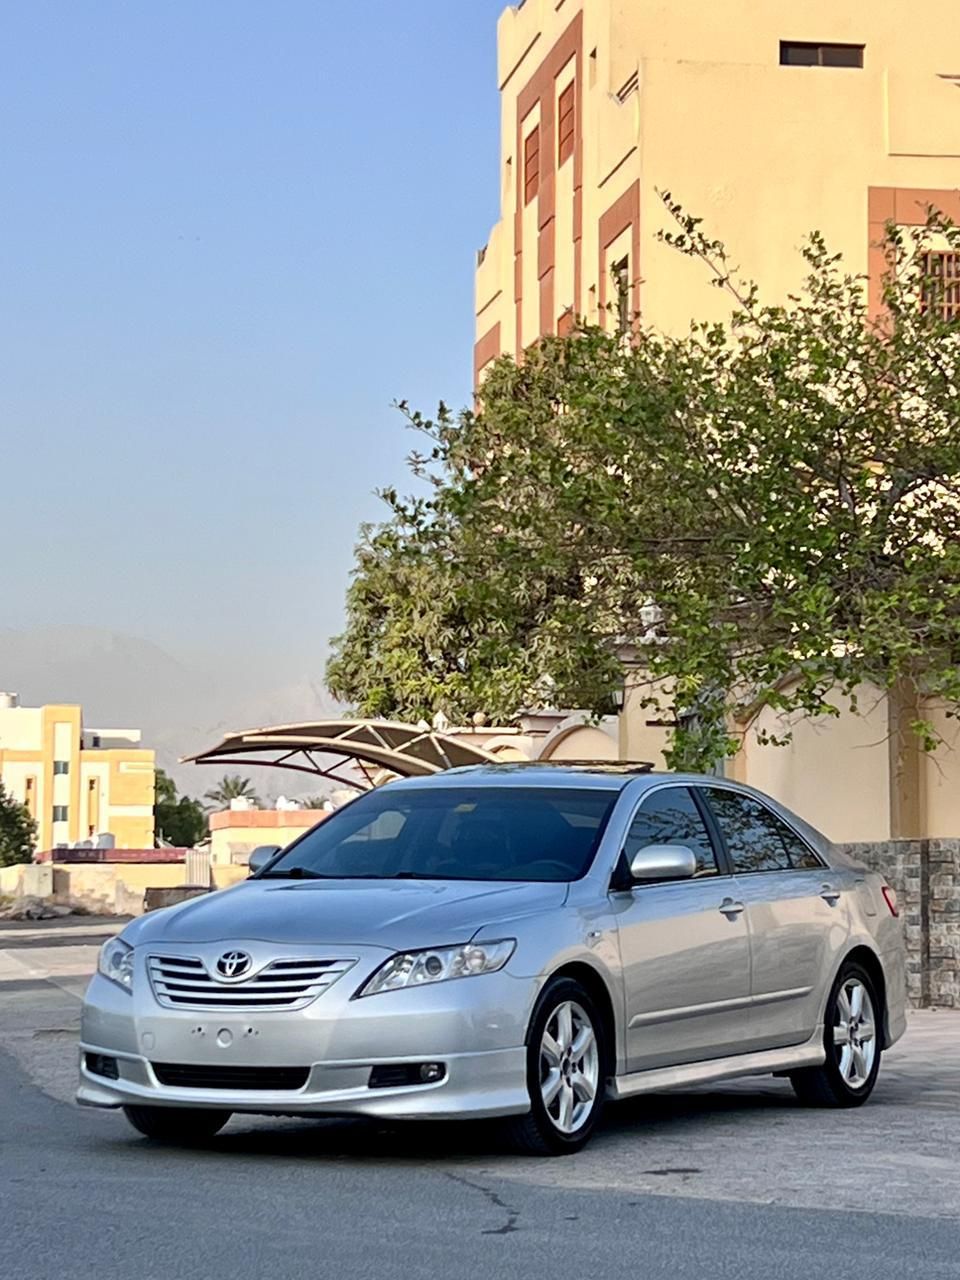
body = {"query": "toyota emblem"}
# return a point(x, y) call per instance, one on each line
point(234, 964)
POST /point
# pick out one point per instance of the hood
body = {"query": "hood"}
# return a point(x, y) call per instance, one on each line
point(398, 915)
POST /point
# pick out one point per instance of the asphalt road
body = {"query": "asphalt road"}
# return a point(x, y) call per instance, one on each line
point(673, 1187)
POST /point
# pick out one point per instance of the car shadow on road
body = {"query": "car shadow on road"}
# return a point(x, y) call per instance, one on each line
point(654, 1115)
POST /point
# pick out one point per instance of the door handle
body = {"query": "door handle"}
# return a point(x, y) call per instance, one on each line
point(829, 894)
point(731, 909)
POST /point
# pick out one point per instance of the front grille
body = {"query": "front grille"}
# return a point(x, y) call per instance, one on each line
point(182, 982)
point(184, 1075)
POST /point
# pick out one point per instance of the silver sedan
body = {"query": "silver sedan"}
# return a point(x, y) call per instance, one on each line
point(519, 942)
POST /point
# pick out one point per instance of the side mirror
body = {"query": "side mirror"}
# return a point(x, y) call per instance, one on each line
point(262, 857)
point(663, 862)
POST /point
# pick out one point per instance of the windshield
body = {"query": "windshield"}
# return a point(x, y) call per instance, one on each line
point(448, 833)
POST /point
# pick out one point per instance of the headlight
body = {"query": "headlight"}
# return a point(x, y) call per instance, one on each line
point(116, 963)
point(417, 968)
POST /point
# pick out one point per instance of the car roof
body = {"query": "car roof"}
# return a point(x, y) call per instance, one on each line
point(601, 774)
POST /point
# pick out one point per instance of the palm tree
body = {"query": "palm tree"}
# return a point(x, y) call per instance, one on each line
point(231, 787)
point(312, 802)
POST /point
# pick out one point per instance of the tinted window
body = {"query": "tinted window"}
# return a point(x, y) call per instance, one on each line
point(757, 840)
point(670, 816)
point(455, 833)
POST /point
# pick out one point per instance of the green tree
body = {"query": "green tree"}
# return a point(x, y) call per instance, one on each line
point(179, 820)
point(766, 510)
point(17, 830)
point(231, 787)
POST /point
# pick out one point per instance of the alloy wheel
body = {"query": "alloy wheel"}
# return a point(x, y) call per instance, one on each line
point(855, 1033)
point(569, 1067)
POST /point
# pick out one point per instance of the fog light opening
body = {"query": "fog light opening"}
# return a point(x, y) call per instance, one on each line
point(98, 1064)
point(402, 1075)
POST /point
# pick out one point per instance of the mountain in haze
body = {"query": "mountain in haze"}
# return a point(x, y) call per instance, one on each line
point(181, 704)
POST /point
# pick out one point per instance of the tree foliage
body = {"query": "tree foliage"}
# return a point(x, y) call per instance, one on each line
point(18, 830)
point(766, 509)
point(179, 820)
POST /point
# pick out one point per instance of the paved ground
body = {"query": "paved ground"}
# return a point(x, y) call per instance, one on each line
point(733, 1181)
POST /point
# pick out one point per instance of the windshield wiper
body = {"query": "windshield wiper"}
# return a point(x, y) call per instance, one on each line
point(304, 873)
point(393, 875)
point(296, 873)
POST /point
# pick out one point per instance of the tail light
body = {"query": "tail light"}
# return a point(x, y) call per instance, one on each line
point(890, 898)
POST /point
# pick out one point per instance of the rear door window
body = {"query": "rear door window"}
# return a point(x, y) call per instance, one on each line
point(756, 839)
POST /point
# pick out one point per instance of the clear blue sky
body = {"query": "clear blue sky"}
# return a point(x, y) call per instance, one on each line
point(231, 232)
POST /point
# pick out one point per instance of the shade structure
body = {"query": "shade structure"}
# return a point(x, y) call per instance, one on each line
point(351, 752)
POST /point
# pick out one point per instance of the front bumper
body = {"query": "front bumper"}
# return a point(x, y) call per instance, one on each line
point(476, 1085)
point(475, 1026)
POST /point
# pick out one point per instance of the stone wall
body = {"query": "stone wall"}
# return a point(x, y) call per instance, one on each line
point(926, 876)
point(105, 888)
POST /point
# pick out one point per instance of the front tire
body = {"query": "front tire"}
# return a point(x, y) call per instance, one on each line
point(566, 1072)
point(178, 1126)
point(852, 1040)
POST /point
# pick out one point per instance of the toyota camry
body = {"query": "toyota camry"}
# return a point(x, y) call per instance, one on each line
point(517, 942)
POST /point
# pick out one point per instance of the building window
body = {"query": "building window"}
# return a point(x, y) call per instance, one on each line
point(621, 282)
point(59, 813)
point(95, 740)
point(941, 288)
point(61, 766)
point(797, 53)
point(531, 165)
point(567, 123)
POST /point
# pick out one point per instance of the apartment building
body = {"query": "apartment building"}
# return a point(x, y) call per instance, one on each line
point(766, 119)
point(78, 783)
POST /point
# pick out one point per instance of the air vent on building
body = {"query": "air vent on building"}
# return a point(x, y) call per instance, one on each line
point(631, 86)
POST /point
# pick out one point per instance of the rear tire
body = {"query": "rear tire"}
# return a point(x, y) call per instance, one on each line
point(566, 1073)
point(179, 1126)
point(852, 1040)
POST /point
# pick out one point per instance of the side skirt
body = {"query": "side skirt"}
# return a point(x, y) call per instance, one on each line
point(769, 1062)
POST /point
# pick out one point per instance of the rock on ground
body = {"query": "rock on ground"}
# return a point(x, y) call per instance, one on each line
point(37, 909)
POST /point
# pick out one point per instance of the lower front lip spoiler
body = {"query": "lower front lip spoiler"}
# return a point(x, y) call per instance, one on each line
point(476, 1085)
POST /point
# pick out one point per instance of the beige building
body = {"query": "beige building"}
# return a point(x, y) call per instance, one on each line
point(855, 776)
point(766, 120)
point(235, 833)
point(77, 783)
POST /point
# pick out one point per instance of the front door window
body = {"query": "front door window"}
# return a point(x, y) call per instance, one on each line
point(671, 816)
